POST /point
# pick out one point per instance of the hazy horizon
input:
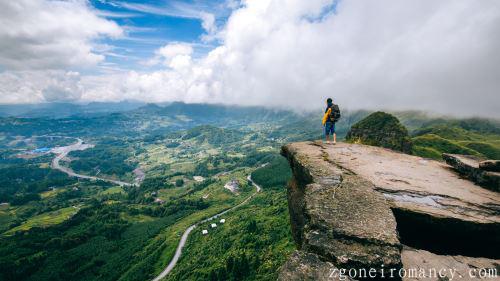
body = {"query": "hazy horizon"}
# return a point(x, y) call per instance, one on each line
point(318, 110)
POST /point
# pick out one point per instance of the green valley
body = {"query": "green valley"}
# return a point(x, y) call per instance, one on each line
point(147, 174)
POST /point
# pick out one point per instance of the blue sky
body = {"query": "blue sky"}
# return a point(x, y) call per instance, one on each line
point(150, 25)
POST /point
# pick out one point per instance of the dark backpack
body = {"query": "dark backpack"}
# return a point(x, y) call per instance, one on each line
point(335, 114)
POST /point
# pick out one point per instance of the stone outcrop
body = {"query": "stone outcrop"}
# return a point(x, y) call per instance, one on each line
point(337, 214)
point(381, 129)
point(490, 165)
point(354, 206)
point(484, 173)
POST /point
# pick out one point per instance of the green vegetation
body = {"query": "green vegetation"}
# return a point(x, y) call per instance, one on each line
point(179, 182)
point(96, 243)
point(275, 174)
point(472, 136)
point(252, 244)
point(113, 190)
point(46, 219)
point(56, 227)
point(381, 129)
point(108, 157)
point(21, 183)
point(213, 135)
point(436, 145)
point(430, 136)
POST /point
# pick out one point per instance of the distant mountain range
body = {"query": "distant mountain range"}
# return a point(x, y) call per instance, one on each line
point(63, 110)
point(131, 118)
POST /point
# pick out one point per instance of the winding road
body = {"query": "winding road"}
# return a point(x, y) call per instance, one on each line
point(185, 235)
point(63, 151)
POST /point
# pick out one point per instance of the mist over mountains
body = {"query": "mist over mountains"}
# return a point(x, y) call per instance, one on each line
point(432, 56)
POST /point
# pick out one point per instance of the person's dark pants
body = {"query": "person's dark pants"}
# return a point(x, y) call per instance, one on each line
point(329, 128)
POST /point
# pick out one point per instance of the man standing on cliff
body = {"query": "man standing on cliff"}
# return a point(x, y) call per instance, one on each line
point(332, 115)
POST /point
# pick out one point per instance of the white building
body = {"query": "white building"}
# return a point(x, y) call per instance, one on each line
point(204, 232)
point(213, 225)
point(198, 178)
point(159, 201)
point(232, 185)
point(222, 220)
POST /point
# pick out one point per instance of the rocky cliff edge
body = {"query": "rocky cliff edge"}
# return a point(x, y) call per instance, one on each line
point(363, 207)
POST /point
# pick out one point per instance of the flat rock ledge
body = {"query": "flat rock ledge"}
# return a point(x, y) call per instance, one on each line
point(361, 207)
point(484, 173)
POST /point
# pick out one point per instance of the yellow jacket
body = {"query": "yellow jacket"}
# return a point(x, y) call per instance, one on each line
point(325, 117)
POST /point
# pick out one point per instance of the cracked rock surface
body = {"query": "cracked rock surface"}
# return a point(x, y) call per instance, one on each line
point(355, 205)
point(337, 214)
point(308, 266)
point(418, 184)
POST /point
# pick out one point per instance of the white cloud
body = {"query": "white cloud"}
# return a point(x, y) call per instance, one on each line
point(170, 8)
point(173, 55)
point(207, 14)
point(439, 56)
point(208, 22)
point(232, 4)
point(21, 87)
point(63, 88)
point(40, 86)
point(416, 54)
point(175, 49)
point(41, 34)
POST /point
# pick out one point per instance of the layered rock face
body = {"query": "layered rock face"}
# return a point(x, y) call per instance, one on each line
point(362, 207)
point(485, 173)
point(490, 165)
point(381, 129)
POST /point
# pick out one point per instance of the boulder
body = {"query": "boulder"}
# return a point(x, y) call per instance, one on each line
point(475, 169)
point(381, 129)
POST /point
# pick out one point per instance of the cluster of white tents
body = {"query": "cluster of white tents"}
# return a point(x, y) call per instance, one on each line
point(213, 225)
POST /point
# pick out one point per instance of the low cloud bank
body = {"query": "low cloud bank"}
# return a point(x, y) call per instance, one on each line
point(425, 55)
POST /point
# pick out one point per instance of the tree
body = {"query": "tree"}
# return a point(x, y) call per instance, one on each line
point(179, 182)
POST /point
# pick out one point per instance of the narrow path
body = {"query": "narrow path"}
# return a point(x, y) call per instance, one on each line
point(63, 151)
point(185, 235)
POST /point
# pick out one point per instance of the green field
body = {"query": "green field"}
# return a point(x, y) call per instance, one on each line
point(431, 142)
point(45, 219)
